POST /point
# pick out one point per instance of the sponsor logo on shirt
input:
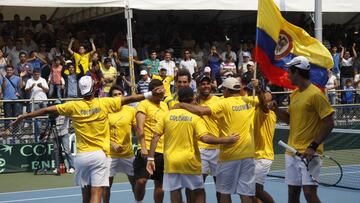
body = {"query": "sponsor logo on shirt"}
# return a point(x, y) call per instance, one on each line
point(241, 107)
point(180, 118)
point(90, 111)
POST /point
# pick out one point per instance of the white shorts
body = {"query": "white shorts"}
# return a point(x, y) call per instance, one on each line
point(91, 169)
point(121, 165)
point(296, 173)
point(236, 177)
point(209, 159)
point(174, 181)
point(262, 168)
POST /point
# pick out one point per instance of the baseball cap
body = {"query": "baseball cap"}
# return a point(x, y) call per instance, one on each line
point(207, 69)
point(203, 78)
point(143, 72)
point(86, 85)
point(250, 63)
point(231, 83)
point(300, 62)
point(246, 54)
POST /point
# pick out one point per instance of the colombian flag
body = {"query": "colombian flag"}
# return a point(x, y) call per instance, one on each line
point(278, 41)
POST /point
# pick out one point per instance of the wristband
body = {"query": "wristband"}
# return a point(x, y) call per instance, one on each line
point(150, 159)
point(148, 95)
point(313, 146)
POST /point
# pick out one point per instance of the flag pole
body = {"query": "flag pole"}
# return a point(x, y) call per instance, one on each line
point(318, 20)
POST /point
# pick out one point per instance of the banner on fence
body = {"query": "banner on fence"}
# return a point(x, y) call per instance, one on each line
point(26, 157)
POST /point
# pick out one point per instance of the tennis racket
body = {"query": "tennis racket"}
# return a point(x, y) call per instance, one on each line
point(331, 171)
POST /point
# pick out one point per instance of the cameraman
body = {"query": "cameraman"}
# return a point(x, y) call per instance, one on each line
point(62, 140)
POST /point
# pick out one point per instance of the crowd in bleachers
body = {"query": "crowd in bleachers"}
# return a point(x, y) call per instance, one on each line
point(40, 60)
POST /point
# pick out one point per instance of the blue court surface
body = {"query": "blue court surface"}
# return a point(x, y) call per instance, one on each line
point(121, 192)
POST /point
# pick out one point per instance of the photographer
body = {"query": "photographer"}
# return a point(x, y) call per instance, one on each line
point(61, 141)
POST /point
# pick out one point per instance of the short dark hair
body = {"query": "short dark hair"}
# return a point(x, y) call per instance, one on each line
point(21, 53)
point(154, 83)
point(186, 95)
point(303, 73)
point(183, 72)
point(116, 87)
point(9, 66)
point(107, 60)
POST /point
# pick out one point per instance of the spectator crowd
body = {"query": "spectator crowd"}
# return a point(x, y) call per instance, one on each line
point(41, 60)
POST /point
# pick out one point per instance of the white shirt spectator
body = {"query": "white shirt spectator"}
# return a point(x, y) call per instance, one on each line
point(356, 79)
point(330, 85)
point(124, 53)
point(232, 54)
point(37, 93)
point(198, 57)
point(347, 62)
point(190, 65)
point(169, 66)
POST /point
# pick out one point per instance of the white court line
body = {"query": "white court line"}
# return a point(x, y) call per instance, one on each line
point(57, 188)
point(74, 195)
point(335, 130)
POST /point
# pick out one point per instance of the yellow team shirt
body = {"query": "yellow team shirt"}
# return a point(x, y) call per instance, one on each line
point(121, 124)
point(236, 115)
point(90, 121)
point(172, 100)
point(84, 61)
point(181, 130)
point(153, 113)
point(166, 82)
point(111, 74)
point(211, 123)
point(307, 109)
point(264, 130)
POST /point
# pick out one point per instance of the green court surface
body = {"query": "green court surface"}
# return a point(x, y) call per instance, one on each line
point(13, 182)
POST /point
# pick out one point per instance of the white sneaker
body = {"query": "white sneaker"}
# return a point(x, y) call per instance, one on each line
point(71, 170)
point(55, 171)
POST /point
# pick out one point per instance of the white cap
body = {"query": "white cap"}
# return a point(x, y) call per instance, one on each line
point(86, 85)
point(231, 83)
point(246, 54)
point(300, 62)
point(207, 69)
point(143, 72)
point(250, 63)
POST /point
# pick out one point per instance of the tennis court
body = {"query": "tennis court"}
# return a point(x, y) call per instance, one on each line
point(121, 192)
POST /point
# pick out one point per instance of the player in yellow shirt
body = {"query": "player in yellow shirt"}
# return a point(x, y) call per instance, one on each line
point(235, 113)
point(90, 121)
point(82, 57)
point(147, 115)
point(209, 153)
point(166, 80)
point(181, 151)
point(311, 121)
point(121, 156)
point(182, 79)
point(264, 130)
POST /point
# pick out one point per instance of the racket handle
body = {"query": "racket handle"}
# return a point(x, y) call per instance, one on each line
point(290, 149)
